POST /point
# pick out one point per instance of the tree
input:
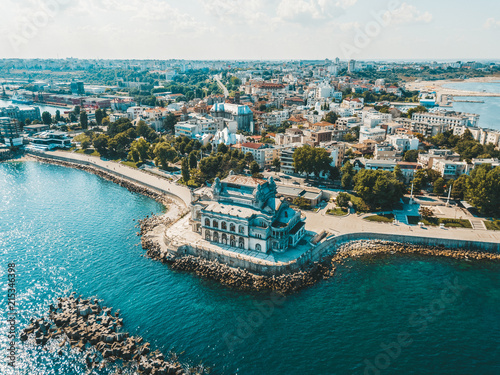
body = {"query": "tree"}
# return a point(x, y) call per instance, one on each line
point(426, 212)
point(254, 167)
point(411, 156)
point(84, 122)
point(302, 203)
point(193, 160)
point(331, 117)
point(347, 175)
point(277, 164)
point(98, 116)
point(438, 186)
point(185, 170)
point(343, 200)
point(417, 109)
point(85, 144)
point(459, 187)
point(378, 189)
point(141, 147)
point(398, 173)
point(101, 143)
point(163, 153)
point(309, 160)
point(46, 118)
point(248, 158)
point(169, 122)
point(483, 189)
point(58, 115)
point(222, 148)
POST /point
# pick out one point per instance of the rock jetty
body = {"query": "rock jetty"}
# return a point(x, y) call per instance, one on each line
point(293, 282)
point(133, 187)
point(87, 326)
point(242, 279)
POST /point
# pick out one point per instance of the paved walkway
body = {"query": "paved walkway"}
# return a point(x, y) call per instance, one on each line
point(354, 223)
point(157, 182)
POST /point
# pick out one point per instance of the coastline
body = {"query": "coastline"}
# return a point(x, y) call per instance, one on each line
point(438, 86)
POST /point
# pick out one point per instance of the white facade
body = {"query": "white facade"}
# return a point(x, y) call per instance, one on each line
point(375, 134)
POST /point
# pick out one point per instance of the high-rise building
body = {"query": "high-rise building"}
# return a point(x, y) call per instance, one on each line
point(77, 88)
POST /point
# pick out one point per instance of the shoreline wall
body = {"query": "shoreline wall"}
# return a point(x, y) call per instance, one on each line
point(112, 172)
point(326, 248)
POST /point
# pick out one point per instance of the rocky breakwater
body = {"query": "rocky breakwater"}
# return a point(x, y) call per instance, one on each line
point(242, 279)
point(92, 328)
point(367, 248)
point(133, 187)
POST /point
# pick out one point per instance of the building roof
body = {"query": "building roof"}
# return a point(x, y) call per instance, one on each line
point(254, 146)
point(243, 180)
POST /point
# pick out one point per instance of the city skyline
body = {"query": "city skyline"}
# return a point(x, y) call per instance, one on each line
point(250, 30)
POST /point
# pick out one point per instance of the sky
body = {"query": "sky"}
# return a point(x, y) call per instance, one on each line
point(251, 29)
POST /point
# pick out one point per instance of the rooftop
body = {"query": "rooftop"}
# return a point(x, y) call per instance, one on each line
point(243, 180)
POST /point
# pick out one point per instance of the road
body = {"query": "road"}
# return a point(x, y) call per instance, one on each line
point(221, 85)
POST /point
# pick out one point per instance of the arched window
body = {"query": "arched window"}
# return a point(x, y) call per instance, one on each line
point(241, 229)
point(207, 235)
point(223, 225)
point(232, 241)
point(224, 238)
point(215, 224)
point(207, 222)
point(258, 247)
point(216, 237)
point(232, 227)
point(241, 243)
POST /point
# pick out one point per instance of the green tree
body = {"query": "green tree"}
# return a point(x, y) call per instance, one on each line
point(169, 122)
point(84, 122)
point(141, 146)
point(398, 173)
point(438, 186)
point(331, 117)
point(302, 203)
point(98, 116)
point(85, 144)
point(483, 189)
point(347, 175)
point(459, 187)
point(254, 167)
point(46, 118)
point(417, 109)
point(277, 164)
point(426, 212)
point(309, 160)
point(193, 160)
point(101, 143)
point(58, 115)
point(378, 189)
point(343, 200)
point(411, 156)
point(185, 170)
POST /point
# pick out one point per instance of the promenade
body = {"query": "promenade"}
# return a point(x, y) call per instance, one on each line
point(170, 188)
point(315, 221)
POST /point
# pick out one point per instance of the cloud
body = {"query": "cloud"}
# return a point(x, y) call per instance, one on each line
point(491, 23)
point(406, 14)
point(311, 12)
point(237, 11)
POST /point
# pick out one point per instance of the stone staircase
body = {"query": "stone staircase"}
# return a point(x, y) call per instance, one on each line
point(477, 224)
point(401, 217)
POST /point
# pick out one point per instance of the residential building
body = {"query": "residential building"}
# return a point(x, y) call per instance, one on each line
point(10, 131)
point(263, 154)
point(242, 114)
point(375, 134)
point(449, 168)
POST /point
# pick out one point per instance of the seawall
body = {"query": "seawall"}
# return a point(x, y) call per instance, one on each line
point(324, 249)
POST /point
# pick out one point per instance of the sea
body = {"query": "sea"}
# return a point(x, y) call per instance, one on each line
point(66, 230)
point(489, 110)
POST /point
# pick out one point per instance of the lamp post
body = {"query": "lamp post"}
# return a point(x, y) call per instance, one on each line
point(411, 194)
point(449, 194)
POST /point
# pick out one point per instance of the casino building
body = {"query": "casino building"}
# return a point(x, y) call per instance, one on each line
point(243, 212)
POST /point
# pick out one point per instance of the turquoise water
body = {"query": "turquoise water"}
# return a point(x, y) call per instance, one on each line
point(69, 230)
point(489, 110)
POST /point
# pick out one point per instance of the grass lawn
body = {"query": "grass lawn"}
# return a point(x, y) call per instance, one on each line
point(388, 218)
point(492, 225)
point(336, 212)
point(130, 164)
point(433, 221)
point(88, 152)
